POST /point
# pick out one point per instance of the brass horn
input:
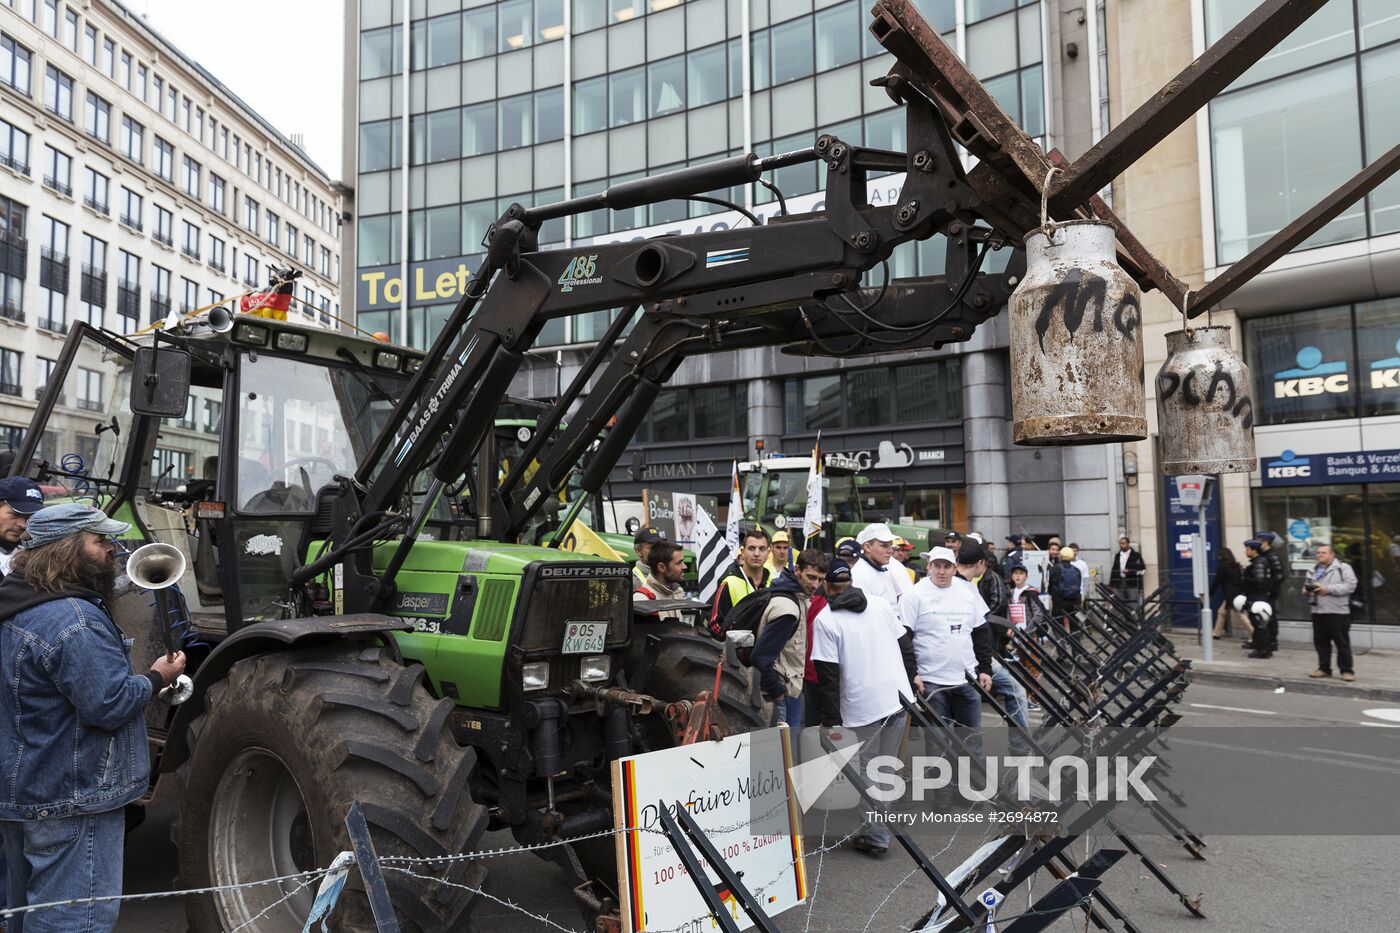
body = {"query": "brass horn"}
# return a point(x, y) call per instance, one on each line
point(219, 319)
point(155, 566)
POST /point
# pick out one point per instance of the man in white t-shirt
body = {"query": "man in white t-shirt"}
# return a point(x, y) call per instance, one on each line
point(858, 646)
point(876, 573)
point(943, 611)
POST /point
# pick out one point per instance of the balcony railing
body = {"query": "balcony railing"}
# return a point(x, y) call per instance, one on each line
point(10, 388)
point(53, 270)
point(131, 223)
point(96, 205)
point(14, 252)
point(216, 266)
point(189, 253)
point(15, 165)
point(60, 187)
point(163, 238)
point(94, 287)
point(89, 404)
point(128, 299)
point(11, 311)
point(160, 307)
point(52, 326)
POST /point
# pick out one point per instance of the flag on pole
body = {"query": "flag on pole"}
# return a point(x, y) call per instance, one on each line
point(736, 511)
point(710, 552)
point(815, 515)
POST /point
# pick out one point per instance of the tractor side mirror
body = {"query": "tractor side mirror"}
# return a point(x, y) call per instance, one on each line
point(633, 525)
point(160, 382)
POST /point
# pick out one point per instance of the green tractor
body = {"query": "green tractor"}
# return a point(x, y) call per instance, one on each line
point(774, 492)
point(442, 714)
point(374, 610)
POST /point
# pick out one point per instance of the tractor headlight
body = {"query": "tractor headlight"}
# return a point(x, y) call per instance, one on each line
point(595, 668)
point(535, 676)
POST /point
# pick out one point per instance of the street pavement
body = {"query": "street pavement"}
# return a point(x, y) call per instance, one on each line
point(1248, 883)
point(1377, 670)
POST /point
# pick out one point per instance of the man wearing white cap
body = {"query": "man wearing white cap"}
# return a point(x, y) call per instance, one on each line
point(942, 610)
point(874, 573)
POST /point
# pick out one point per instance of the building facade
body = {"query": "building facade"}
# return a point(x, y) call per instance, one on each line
point(537, 100)
point(133, 184)
point(1319, 330)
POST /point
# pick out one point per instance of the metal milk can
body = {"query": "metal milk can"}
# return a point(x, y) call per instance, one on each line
point(1204, 411)
point(1076, 341)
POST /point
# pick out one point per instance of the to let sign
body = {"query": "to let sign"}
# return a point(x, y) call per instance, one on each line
point(739, 791)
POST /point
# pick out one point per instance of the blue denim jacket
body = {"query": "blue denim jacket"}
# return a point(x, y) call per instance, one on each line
point(72, 730)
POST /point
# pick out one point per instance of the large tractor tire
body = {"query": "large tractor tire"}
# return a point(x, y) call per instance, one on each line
point(683, 665)
point(283, 748)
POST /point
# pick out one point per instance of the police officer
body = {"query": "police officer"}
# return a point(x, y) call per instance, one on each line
point(1257, 599)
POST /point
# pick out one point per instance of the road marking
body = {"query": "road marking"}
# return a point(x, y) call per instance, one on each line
point(1382, 725)
point(1383, 713)
point(1333, 751)
point(1236, 709)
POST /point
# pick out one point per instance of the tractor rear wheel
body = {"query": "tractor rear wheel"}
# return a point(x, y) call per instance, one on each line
point(283, 748)
point(684, 666)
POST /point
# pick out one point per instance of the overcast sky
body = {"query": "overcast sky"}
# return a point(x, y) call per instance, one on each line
point(283, 57)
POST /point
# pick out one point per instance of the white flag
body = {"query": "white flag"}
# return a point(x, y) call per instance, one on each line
point(736, 511)
point(709, 553)
point(815, 515)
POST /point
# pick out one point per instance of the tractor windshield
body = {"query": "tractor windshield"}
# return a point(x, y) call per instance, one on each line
point(301, 422)
point(784, 492)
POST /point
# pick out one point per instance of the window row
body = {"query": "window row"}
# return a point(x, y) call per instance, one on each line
point(858, 398)
point(138, 81)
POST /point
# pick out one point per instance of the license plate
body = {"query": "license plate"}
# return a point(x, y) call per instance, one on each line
point(585, 637)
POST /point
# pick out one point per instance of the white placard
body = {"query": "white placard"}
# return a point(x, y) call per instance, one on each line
point(740, 792)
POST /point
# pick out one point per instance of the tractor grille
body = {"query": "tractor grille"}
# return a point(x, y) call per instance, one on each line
point(493, 609)
point(556, 602)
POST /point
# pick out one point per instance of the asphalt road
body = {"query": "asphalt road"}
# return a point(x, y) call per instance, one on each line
point(1248, 882)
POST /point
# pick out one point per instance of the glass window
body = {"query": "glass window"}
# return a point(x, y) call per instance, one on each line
point(940, 13)
point(627, 91)
point(1380, 95)
point(838, 35)
point(868, 396)
point(479, 129)
point(444, 135)
point(479, 33)
point(58, 92)
point(1379, 366)
point(714, 410)
point(477, 219)
point(516, 121)
point(133, 140)
point(821, 402)
point(670, 416)
point(590, 105)
point(623, 10)
point(991, 46)
point(549, 115)
point(444, 40)
point(666, 81)
point(708, 79)
point(1325, 35)
point(381, 53)
point(16, 64)
point(549, 20)
point(1279, 148)
point(984, 9)
point(792, 50)
point(379, 146)
point(1302, 365)
point(589, 14)
point(97, 116)
point(378, 241)
point(1380, 22)
point(929, 391)
point(165, 159)
point(515, 31)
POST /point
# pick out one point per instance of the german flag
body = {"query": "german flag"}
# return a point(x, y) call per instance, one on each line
point(276, 300)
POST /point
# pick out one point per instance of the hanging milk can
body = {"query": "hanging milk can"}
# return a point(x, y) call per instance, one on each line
point(1204, 411)
point(1076, 341)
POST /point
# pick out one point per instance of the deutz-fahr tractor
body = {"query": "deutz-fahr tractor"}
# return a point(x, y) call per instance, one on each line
point(364, 621)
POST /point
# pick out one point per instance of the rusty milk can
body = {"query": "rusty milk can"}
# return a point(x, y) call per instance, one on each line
point(1076, 341)
point(1204, 411)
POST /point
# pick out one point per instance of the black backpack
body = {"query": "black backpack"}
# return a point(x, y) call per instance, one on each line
point(1068, 583)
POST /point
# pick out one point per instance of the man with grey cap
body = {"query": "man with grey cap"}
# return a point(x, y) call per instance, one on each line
point(20, 497)
point(72, 729)
point(872, 572)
